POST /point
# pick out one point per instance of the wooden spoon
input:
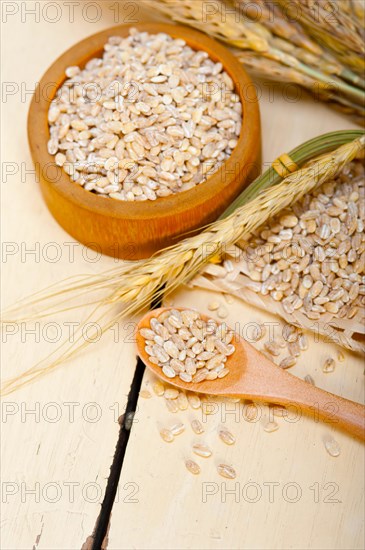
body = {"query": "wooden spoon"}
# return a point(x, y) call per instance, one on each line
point(253, 376)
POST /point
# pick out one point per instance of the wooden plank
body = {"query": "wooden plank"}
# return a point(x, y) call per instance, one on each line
point(64, 450)
point(289, 493)
point(175, 509)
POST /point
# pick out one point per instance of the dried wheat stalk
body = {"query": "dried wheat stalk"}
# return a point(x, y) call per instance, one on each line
point(132, 287)
point(297, 42)
point(258, 66)
point(248, 35)
point(271, 15)
point(334, 25)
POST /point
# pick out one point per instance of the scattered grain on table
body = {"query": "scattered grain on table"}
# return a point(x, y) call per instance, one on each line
point(251, 412)
point(288, 362)
point(178, 428)
point(192, 467)
point(332, 446)
point(271, 426)
point(171, 393)
point(194, 401)
point(167, 435)
point(329, 365)
point(158, 388)
point(227, 471)
point(172, 405)
point(197, 426)
point(202, 450)
point(226, 436)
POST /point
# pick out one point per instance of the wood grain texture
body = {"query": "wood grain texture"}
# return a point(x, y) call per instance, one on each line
point(170, 512)
point(144, 227)
point(62, 452)
point(288, 493)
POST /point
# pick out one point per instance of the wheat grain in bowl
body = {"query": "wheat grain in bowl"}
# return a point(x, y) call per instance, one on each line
point(151, 118)
point(185, 345)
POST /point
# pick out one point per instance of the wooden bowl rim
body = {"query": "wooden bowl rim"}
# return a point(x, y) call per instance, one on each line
point(215, 185)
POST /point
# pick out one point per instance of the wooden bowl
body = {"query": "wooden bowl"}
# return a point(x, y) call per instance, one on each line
point(134, 230)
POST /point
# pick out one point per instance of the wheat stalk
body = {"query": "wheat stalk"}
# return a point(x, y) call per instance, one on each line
point(357, 8)
point(296, 41)
point(258, 66)
point(245, 34)
point(333, 25)
point(134, 286)
point(270, 15)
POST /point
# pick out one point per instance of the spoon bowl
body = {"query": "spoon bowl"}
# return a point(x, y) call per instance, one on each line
point(220, 386)
point(253, 376)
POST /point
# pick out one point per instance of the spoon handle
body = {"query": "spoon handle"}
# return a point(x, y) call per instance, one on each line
point(333, 410)
point(270, 383)
point(320, 404)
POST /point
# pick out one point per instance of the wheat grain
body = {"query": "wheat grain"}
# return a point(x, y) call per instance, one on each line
point(182, 401)
point(172, 405)
point(331, 445)
point(197, 426)
point(194, 400)
point(166, 435)
point(205, 356)
point(227, 437)
point(202, 450)
point(154, 144)
point(227, 471)
point(192, 467)
point(271, 426)
point(171, 393)
point(287, 362)
point(158, 388)
point(177, 429)
point(251, 412)
point(329, 365)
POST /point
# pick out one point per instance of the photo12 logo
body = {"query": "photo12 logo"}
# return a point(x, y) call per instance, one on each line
point(53, 492)
point(69, 12)
point(68, 411)
point(270, 492)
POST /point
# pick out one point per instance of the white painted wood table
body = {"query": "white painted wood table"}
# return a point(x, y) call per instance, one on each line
point(59, 434)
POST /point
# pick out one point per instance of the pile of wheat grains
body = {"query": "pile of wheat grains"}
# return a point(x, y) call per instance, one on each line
point(184, 345)
point(151, 118)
